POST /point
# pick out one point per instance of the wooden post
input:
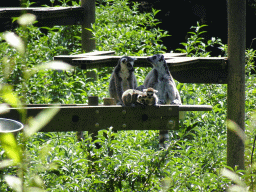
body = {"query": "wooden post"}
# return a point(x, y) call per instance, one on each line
point(93, 101)
point(236, 79)
point(88, 44)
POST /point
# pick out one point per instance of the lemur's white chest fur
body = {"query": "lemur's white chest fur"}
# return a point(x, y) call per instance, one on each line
point(124, 74)
point(162, 73)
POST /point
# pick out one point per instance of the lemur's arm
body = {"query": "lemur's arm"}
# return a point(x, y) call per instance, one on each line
point(118, 85)
point(153, 80)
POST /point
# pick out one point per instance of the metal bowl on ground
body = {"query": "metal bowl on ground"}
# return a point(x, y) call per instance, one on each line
point(10, 126)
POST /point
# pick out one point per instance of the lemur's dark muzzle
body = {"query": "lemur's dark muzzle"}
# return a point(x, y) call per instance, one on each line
point(129, 66)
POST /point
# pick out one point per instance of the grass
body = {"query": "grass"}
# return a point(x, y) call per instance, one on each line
point(57, 162)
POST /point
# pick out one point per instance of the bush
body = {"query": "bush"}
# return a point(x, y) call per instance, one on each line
point(126, 31)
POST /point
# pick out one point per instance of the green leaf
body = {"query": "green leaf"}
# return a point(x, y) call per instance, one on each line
point(42, 119)
point(9, 144)
point(10, 97)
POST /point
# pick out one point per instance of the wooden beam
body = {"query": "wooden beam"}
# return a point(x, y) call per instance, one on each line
point(236, 80)
point(183, 69)
point(94, 118)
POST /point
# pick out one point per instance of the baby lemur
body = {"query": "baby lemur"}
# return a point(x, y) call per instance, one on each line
point(122, 78)
point(148, 97)
point(130, 97)
point(161, 79)
point(133, 97)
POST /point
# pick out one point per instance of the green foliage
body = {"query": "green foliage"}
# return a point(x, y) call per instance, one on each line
point(195, 45)
point(124, 30)
point(57, 162)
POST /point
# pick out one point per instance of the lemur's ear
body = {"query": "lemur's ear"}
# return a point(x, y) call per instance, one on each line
point(161, 58)
point(155, 91)
point(123, 60)
point(145, 90)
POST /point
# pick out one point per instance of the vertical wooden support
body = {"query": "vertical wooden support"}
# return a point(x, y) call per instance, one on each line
point(109, 101)
point(88, 44)
point(93, 101)
point(236, 79)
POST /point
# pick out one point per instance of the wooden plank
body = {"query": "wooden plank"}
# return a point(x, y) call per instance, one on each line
point(68, 58)
point(47, 16)
point(167, 55)
point(195, 108)
point(178, 62)
point(38, 11)
point(93, 118)
point(183, 69)
point(175, 63)
point(199, 69)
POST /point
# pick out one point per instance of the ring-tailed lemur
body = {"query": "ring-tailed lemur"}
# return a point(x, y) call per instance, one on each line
point(130, 97)
point(148, 97)
point(122, 78)
point(161, 79)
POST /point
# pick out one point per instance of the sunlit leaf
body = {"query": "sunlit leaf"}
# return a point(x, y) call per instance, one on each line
point(35, 189)
point(11, 98)
point(6, 163)
point(42, 119)
point(236, 188)
point(235, 128)
point(232, 176)
point(14, 182)
point(26, 19)
point(37, 182)
point(55, 65)
point(15, 41)
point(4, 108)
point(9, 144)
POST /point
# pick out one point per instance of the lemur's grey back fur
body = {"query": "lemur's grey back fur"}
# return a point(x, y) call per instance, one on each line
point(122, 78)
point(161, 79)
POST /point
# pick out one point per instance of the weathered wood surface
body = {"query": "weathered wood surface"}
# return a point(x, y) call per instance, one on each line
point(48, 16)
point(236, 81)
point(183, 69)
point(94, 118)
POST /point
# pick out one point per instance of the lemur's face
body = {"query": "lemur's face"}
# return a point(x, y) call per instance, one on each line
point(156, 60)
point(127, 62)
point(150, 92)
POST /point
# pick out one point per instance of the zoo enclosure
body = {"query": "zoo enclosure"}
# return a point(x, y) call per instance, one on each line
point(233, 68)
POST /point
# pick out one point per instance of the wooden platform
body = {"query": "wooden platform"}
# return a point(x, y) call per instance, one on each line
point(184, 69)
point(47, 16)
point(94, 118)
